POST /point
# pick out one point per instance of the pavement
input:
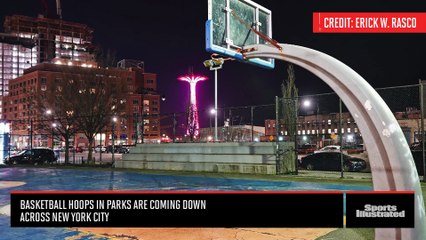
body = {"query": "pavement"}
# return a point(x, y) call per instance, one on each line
point(19, 178)
point(211, 233)
point(335, 175)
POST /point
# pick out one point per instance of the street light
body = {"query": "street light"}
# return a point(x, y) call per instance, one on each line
point(214, 64)
point(114, 120)
point(49, 113)
point(30, 129)
point(53, 134)
point(212, 112)
point(307, 103)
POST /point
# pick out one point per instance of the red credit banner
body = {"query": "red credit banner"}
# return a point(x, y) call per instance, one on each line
point(369, 22)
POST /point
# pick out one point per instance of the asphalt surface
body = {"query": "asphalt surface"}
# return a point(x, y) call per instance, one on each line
point(29, 178)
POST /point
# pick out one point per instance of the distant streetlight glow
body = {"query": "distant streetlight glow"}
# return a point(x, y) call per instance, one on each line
point(307, 103)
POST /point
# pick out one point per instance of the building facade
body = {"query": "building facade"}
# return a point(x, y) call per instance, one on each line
point(140, 121)
point(16, 54)
point(235, 133)
point(28, 41)
point(55, 39)
point(323, 129)
point(320, 129)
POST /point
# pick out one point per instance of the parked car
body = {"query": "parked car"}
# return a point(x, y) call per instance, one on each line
point(306, 148)
point(117, 149)
point(100, 148)
point(32, 156)
point(329, 148)
point(330, 161)
point(354, 149)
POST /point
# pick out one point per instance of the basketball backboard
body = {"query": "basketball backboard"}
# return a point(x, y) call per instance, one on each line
point(226, 35)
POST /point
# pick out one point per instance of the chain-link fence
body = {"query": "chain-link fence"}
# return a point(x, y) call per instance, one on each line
point(321, 121)
point(324, 122)
point(317, 121)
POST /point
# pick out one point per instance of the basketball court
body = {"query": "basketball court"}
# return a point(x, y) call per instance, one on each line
point(242, 30)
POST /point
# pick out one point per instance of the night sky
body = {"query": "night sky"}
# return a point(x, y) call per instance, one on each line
point(168, 35)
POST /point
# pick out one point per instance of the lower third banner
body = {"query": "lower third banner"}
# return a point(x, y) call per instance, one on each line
point(176, 209)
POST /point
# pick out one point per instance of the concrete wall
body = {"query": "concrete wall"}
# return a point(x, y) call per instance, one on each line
point(203, 157)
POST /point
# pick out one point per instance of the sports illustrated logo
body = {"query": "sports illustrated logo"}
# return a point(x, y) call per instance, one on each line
point(380, 211)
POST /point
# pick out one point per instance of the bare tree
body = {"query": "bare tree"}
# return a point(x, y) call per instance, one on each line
point(58, 105)
point(84, 100)
point(102, 94)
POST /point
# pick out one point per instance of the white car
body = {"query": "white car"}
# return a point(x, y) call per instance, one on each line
point(329, 148)
point(100, 149)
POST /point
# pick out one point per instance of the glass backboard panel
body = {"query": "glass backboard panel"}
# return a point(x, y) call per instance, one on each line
point(226, 35)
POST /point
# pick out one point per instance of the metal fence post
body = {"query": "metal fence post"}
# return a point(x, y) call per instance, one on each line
point(31, 133)
point(296, 113)
point(341, 137)
point(277, 158)
point(422, 127)
point(174, 127)
point(252, 122)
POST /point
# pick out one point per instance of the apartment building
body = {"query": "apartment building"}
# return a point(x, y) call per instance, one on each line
point(30, 127)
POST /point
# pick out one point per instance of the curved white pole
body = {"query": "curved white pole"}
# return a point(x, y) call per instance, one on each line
point(391, 161)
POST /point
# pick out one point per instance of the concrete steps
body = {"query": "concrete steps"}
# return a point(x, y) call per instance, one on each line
point(256, 158)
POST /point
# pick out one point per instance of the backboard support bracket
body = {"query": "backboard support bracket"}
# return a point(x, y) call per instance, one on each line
point(263, 36)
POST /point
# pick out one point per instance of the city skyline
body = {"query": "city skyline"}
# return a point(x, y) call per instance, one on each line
point(169, 37)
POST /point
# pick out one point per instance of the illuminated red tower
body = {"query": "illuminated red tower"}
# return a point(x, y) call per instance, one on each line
point(193, 125)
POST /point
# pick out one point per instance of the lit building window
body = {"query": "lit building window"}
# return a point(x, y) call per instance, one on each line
point(348, 130)
point(329, 131)
point(329, 121)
